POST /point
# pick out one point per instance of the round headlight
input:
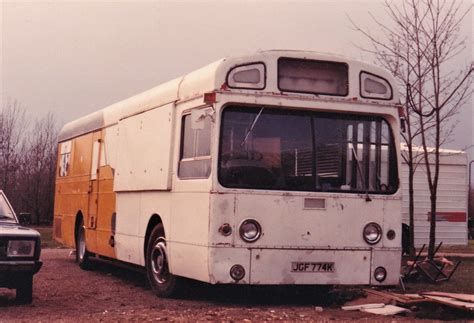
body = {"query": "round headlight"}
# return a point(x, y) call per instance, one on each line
point(250, 230)
point(372, 233)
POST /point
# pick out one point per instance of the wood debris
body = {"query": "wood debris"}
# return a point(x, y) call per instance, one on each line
point(403, 299)
point(386, 310)
point(377, 308)
point(454, 300)
point(362, 306)
point(461, 297)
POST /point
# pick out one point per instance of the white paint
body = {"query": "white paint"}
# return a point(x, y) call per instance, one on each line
point(452, 197)
point(145, 149)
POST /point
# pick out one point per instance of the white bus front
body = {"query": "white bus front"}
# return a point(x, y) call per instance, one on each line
point(305, 197)
point(306, 188)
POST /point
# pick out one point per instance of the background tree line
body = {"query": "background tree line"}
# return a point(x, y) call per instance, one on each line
point(28, 150)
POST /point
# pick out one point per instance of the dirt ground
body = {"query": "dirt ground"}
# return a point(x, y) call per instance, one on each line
point(64, 292)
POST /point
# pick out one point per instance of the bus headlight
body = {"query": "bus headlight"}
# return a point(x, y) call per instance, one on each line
point(21, 248)
point(250, 230)
point(372, 233)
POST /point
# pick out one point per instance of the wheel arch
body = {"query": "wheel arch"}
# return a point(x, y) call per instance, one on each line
point(79, 217)
point(154, 220)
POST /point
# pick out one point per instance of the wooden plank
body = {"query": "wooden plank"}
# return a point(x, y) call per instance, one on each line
point(386, 310)
point(400, 298)
point(452, 302)
point(461, 297)
point(362, 306)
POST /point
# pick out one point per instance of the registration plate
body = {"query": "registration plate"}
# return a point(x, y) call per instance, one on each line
point(312, 267)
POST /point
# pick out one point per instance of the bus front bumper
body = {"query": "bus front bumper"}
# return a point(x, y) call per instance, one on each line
point(305, 266)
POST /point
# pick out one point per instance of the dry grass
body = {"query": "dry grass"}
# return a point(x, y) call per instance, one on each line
point(47, 240)
point(461, 282)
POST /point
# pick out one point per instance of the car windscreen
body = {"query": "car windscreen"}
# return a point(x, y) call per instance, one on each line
point(295, 150)
point(6, 213)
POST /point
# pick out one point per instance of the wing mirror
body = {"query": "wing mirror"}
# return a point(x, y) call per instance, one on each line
point(198, 116)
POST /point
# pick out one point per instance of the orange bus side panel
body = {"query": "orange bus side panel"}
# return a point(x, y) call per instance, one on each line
point(106, 213)
point(95, 199)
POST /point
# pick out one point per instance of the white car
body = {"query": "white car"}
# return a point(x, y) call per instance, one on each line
point(20, 249)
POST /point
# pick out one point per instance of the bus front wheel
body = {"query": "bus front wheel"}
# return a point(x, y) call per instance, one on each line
point(163, 283)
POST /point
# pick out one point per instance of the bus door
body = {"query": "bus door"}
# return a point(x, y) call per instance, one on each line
point(94, 193)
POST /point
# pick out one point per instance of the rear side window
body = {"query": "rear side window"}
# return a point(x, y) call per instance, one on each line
point(195, 157)
point(64, 158)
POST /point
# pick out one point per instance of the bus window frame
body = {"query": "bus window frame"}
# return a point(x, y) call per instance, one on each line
point(313, 60)
point(377, 76)
point(194, 158)
point(248, 88)
point(65, 169)
point(396, 177)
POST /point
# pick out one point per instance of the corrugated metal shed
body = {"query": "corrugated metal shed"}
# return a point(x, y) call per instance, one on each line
point(451, 225)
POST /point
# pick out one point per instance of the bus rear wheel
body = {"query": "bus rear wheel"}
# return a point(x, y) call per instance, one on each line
point(162, 282)
point(82, 255)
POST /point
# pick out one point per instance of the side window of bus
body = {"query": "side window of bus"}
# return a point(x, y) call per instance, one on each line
point(195, 157)
point(65, 158)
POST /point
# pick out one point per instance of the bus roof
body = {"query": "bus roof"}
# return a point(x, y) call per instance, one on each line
point(213, 78)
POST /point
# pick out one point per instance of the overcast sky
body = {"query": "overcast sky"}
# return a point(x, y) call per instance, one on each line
point(74, 58)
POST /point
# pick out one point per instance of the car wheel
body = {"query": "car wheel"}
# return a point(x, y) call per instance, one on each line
point(82, 255)
point(163, 283)
point(24, 291)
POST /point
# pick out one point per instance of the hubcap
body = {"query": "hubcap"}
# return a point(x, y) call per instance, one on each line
point(82, 243)
point(159, 262)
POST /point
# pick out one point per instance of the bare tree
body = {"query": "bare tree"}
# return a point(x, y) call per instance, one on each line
point(28, 161)
point(12, 126)
point(416, 44)
point(38, 169)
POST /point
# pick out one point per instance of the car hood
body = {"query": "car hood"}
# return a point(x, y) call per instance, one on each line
point(14, 229)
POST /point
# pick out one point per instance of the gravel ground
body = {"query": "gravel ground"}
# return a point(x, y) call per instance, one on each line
point(63, 292)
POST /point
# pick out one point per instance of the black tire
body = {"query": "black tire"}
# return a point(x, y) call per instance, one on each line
point(320, 294)
point(82, 255)
point(405, 239)
point(24, 291)
point(162, 282)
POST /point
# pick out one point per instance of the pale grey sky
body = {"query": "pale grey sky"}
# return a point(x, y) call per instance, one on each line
point(75, 57)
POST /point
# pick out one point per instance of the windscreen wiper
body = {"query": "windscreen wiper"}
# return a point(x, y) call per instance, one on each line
point(251, 128)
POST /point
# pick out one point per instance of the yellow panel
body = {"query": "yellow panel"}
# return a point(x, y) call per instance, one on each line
point(106, 212)
point(95, 199)
point(81, 155)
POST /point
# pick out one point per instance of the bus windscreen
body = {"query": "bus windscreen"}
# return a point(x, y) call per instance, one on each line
point(293, 150)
